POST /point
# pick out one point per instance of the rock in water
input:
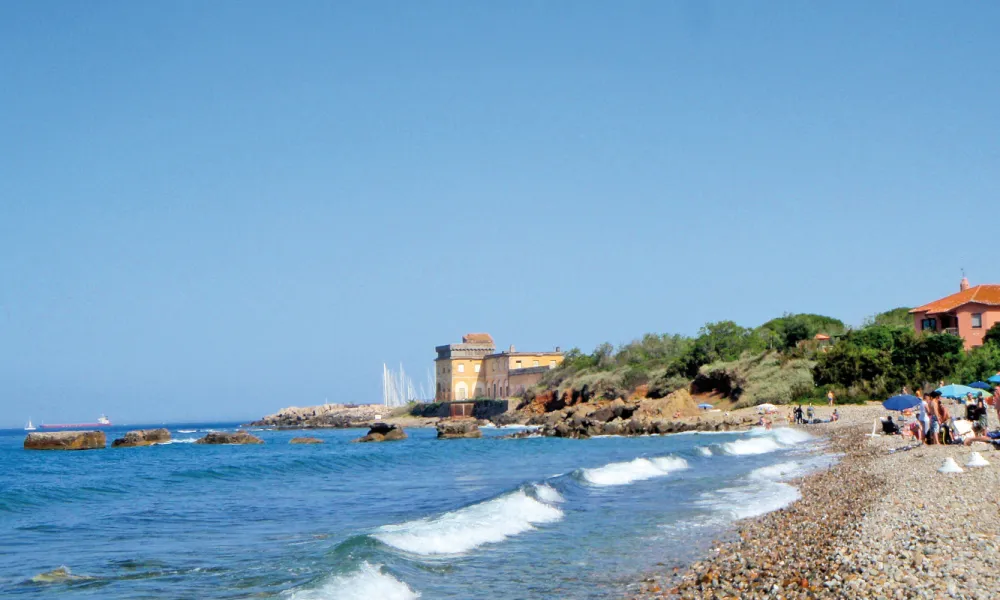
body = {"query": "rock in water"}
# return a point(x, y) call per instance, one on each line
point(59, 575)
point(383, 432)
point(458, 428)
point(142, 437)
point(305, 440)
point(65, 440)
point(240, 437)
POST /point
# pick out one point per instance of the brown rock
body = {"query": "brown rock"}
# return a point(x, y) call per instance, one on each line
point(305, 440)
point(384, 432)
point(240, 437)
point(458, 428)
point(142, 437)
point(65, 440)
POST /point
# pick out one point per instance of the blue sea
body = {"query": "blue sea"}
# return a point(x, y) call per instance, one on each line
point(420, 518)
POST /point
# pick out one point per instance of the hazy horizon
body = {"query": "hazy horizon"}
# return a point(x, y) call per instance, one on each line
point(213, 211)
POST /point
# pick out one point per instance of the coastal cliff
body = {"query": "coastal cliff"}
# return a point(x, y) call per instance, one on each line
point(324, 415)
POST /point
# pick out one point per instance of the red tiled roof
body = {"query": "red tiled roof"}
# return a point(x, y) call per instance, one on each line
point(821, 336)
point(981, 294)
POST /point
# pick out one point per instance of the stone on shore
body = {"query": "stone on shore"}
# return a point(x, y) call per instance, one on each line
point(142, 437)
point(65, 440)
point(383, 432)
point(240, 437)
point(458, 428)
point(305, 440)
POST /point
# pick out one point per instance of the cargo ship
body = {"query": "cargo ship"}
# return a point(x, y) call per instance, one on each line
point(102, 421)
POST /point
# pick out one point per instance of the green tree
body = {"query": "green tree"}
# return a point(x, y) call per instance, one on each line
point(897, 317)
point(979, 364)
point(993, 335)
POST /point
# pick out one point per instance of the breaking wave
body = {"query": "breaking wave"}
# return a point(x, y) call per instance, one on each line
point(470, 527)
point(704, 451)
point(369, 581)
point(763, 441)
point(623, 473)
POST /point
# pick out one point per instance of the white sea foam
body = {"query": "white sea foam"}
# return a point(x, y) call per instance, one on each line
point(704, 451)
point(187, 430)
point(623, 473)
point(181, 441)
point(467, 528)
point(757, 498)
point(762, 441)
point(547, 493)
point(754, 445)
point(364, 584)
point(793, 469)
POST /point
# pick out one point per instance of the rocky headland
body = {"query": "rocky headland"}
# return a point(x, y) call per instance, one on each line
point(65, 440)
point(458, 428)
point(323, 416)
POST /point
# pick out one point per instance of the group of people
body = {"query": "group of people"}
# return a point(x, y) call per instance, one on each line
point(934, 423)
point(809, 415)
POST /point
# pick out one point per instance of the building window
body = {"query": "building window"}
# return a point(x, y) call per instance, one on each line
point(461, 368)
point(534, 363)
point(517, 365)
point(977, 320)
point(930, 324)
point(476, 368)
point(552, 364)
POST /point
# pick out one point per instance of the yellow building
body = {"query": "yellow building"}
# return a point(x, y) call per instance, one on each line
point(474, 369)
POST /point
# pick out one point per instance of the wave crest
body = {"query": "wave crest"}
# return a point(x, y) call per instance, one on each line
point(470, 527)
point(624, 473)
point(367, 582)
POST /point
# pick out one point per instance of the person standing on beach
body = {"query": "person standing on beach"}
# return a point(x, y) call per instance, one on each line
point(996, 401)
point(829, 396)
point(923, 417)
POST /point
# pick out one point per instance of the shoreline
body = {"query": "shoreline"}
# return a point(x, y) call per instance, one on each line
point(880, 523)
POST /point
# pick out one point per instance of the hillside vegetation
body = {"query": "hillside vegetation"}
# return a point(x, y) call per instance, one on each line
point(778, 362)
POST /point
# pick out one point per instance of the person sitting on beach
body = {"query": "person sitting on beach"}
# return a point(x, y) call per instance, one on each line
point(836, 416)
point(976, 412)
point(991, 437)
point(889, 426)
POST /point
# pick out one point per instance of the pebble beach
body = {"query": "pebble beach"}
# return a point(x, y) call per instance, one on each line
point(881, 523)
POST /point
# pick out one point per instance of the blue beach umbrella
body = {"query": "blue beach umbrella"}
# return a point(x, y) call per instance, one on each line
point(981, 385)
point(901, 402)
point(994, 379)
point(958, 391)
point(705, 406)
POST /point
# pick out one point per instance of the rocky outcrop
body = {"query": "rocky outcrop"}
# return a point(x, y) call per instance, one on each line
point(65, 440)
point(305, 440)
point(142, 437)
point(240, 437)
point(458, 428)
point(325, 415)
point(383, 432)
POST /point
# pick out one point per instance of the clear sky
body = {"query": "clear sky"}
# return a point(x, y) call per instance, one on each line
point(213, 210)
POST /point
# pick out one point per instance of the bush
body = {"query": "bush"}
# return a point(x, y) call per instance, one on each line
point(634, 377)
point(759, 378)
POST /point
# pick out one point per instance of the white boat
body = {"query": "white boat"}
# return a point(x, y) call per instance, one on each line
point(29, 426)
point(103, 420)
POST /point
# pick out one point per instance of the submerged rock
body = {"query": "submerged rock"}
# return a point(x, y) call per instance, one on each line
point(240, 437)
point(383, 432)
point(65, 440)
point(59, 575)
point(305, 440)
point(458, 428)
point(142, 437)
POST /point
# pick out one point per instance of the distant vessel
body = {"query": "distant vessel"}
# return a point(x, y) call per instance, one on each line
point(102, 421)
point(29, 426)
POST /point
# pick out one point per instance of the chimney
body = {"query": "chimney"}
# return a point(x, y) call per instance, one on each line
point(964, 285)
point(558, 349)
point(512, 348)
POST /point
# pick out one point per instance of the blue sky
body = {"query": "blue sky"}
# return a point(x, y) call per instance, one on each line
point(213, 210)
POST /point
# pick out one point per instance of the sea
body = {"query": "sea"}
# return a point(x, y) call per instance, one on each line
point(419, 518)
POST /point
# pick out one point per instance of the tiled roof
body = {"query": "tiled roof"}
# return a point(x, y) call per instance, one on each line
point(981, 294)
point(477, 338)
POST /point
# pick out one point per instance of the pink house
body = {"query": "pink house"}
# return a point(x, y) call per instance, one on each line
point(968, 314)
